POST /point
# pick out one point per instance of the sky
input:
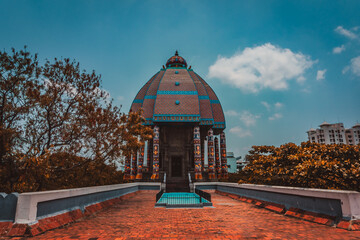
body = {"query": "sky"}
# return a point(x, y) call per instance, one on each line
point(278, 68)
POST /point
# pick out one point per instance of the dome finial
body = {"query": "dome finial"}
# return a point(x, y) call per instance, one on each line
point(176, 61)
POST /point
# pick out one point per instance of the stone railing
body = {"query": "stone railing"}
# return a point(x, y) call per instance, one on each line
point(36, 212)
point(337, 203)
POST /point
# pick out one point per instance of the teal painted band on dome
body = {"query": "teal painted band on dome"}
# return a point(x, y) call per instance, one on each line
point(177, 92)
point(215, 101)
point(176, 118)
point(176, 67)
point(150, 97)
point(203, 97)
point(138, 101)
point(177, 115)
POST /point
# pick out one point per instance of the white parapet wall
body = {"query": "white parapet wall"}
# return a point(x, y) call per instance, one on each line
point(27, 205)
point(324, 201)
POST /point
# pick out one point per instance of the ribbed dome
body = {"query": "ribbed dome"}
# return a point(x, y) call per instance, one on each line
point(176, 61)
point(178, 94)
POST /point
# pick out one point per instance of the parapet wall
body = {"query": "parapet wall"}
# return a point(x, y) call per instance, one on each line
point(336, 203)
point(35, 212)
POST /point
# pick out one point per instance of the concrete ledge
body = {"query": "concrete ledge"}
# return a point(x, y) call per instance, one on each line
point(336, 203)
point(55, 202)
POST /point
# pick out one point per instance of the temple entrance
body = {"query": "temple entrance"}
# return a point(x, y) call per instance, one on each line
point(176, 166)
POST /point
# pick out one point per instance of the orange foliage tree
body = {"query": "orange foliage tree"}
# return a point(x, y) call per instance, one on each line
point(64, 130)
point(311, 165)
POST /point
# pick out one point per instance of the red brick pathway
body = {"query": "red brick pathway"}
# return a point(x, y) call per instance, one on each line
point(136, 218)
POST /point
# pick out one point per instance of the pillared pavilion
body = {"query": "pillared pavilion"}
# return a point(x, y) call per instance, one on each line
point(186, 117)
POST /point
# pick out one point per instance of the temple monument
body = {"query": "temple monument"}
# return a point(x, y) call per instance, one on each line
point(186, 117)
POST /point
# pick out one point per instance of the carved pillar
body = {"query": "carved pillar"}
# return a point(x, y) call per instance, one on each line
point(211, 154)
point(140, 163)
point(156, 142)
point(127, 167)
point(133, 167)
point(149, 154)
point(223, 156)
point(197, 153)
point(217, 158)
point(203, 154)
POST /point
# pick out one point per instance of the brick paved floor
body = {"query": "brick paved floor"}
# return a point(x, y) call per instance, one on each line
point(136, 218)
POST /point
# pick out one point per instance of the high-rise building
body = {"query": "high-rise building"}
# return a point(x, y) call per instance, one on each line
point(335, 134)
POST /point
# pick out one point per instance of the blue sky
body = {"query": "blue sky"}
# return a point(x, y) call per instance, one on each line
point(278, 67)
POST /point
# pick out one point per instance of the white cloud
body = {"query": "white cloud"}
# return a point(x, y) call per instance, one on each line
point(346, 69)
point(265, 66)
point(320, 74)
point(301, 79)
point(120, 98)
point(306, 90)
point(275, 116)
point(248, 118)
point(278, 105)
point(269, 106)
point(266, 104)
point(338, 50)
point(238, 131)
point(347, 33)
point(232, 113)
point(355, 66)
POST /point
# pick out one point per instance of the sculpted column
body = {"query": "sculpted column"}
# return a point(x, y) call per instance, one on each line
point(156, 142)
point(149, 154)
point(127, 167)
point(140, 163)
point(217, 158)
point(197, 153)
point(203, 154)
point(133, 167)
point(223, 156)
point(211, 154)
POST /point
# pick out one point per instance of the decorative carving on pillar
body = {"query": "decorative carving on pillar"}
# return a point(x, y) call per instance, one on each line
point(197, 153)
point(127, 167)
point(133, 167)
point(156, 143)
point(224, 170)
point(211, 154)
point(203, 154)
point(149, 153)
point(140, 163)
point(217, 158)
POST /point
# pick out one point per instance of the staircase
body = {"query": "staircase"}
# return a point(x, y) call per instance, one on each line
point(177, 185)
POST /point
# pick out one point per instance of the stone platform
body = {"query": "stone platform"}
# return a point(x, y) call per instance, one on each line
point(136, 218)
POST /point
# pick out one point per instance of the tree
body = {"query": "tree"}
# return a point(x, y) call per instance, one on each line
point(19, 72)
point(63, 127)
point(335, 166)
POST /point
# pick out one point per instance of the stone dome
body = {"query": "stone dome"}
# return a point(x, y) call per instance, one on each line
point(177, 94)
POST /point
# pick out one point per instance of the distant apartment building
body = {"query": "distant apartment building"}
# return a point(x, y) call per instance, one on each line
point(231, 162)
point(335, 134)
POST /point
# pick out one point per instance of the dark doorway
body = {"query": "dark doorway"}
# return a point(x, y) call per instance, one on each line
point(176, 166)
